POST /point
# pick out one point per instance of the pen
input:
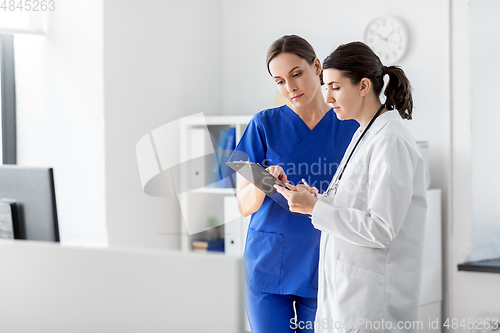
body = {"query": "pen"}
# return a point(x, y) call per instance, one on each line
point(306, 184)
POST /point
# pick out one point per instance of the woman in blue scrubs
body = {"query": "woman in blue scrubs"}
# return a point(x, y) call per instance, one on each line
point(304, 140)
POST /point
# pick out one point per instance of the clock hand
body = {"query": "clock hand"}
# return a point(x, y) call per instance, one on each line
point(389, 35)
point(381, 36)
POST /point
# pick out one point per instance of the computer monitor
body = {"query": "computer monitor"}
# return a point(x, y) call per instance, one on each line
point(31, 194)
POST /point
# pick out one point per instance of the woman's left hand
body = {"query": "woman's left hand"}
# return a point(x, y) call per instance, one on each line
point(300, 200)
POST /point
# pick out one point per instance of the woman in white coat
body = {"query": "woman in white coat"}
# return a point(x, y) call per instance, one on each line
point(372, 216)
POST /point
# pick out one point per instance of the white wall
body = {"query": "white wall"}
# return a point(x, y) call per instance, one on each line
point(60, 114)
point(472, 295)
point(485, 71)
point(162, 61)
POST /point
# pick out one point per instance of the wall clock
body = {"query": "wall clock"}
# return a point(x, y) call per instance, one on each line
point(388, 37)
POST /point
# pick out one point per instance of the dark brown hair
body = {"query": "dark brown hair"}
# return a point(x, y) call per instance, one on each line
point(356, 61)
point(292, 44)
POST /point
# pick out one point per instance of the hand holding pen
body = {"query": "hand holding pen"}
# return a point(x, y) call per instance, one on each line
point(301, 198)
point(313, 190)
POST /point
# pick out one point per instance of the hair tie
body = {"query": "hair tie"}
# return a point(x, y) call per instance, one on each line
point(384, 70)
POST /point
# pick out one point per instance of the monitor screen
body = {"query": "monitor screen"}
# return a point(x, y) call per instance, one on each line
point(30, 193)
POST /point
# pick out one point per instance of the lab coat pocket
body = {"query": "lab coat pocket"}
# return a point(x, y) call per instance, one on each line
point(263, 255)
point(359, 296)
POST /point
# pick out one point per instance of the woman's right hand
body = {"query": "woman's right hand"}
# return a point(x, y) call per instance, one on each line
point(278, 172)
point(313, 190)
point(299, 199)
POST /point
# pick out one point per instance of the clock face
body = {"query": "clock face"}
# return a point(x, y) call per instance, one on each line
point(388, 38)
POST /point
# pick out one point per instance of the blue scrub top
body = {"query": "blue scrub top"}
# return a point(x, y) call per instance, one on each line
point(282, 249)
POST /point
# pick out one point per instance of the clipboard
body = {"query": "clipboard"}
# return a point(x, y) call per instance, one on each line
point(263, 180)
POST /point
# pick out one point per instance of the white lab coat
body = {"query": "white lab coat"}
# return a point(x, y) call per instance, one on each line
point(372, 234)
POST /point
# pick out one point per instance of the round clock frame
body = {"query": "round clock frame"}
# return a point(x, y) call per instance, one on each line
point(388, 37)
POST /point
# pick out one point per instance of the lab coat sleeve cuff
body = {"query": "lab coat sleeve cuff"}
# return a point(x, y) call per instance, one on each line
point(321, 198)
point(322, 214)
point(349, 225)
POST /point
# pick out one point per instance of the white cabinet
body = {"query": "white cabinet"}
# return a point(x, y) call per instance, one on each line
point(235, 228)
point(431, 293)
point(199, 137)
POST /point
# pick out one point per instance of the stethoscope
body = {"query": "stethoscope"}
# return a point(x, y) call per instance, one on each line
point(334, 184)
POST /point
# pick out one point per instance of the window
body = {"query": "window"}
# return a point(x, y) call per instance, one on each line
point(14, 21)
point(1, 135)
point(7, 100)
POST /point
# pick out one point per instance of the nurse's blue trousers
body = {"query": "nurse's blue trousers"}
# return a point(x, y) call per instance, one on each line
point(274, 313)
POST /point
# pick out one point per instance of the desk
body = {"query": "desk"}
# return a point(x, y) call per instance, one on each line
point(53, 288)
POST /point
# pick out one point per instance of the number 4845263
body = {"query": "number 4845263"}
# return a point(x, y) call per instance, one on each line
point(472, 323)
point(28, 5)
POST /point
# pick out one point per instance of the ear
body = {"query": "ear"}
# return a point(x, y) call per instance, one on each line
point(364, 86)
point(317, 66)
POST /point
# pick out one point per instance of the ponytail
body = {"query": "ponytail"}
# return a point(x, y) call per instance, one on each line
point(398, 92)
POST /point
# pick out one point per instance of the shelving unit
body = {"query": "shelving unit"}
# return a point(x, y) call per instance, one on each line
point(198, 204)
